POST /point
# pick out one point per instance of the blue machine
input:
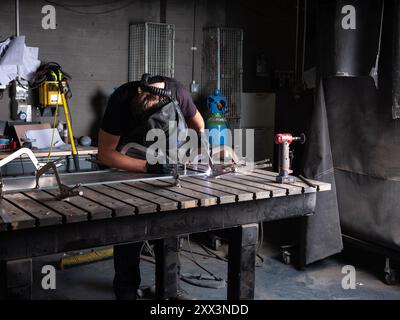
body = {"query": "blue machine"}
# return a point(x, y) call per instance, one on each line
point(216, 123)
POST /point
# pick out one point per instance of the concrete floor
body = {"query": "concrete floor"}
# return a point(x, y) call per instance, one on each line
point(274, 280)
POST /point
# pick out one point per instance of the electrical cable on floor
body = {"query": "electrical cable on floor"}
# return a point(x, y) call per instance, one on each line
point(203, 254)
point(260, 257)
point(198, 264)
point(211, 253)
point(199, 280)
point(260, 242)
point(142, 247)
point(149, 249)
point(194, 279)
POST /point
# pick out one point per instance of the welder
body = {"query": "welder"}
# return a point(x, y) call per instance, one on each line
point(129, 114)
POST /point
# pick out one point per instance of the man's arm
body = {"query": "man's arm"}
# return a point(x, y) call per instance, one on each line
point(196, 122)
point(109, 156)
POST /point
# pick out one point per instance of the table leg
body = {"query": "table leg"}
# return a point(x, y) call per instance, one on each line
point(302, 247)
point(16, 279)
point(241, 265)
point(166, 251)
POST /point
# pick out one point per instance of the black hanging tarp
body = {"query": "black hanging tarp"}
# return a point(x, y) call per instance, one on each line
point(355, 144)
point(324, 236)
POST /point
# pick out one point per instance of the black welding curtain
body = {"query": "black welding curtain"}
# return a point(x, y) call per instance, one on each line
point(324, 236)
point(355, 144)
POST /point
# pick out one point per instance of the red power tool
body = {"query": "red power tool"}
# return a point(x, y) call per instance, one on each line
point(284, 140)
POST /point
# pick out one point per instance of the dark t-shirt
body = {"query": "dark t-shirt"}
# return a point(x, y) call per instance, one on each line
point(118, 119)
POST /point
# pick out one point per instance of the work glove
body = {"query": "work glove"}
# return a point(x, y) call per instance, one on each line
point(160, 168)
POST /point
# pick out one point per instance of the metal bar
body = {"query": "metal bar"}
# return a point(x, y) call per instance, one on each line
point(304, 40)
point(172, 48)
point(193, 37)
point(396, 62)
point(218, 58)
point(381, 249)
point(146, 47)
point(297, 38)
point(17, 17)
point(47, 182)
point(69, 126)
point(19, 153)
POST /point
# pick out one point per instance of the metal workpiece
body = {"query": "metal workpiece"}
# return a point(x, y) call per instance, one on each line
point(49, 181)
point(18, 154)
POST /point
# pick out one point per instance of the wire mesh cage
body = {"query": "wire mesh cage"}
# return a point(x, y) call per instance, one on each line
point(223, 67)
point(151, 49)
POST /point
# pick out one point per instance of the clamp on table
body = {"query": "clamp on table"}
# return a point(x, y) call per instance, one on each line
point(236, 166)
point(218, 170)
point(65, 191)
point(41, 169)
point(142, 150)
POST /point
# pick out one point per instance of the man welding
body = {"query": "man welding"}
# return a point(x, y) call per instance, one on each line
point(131, 111)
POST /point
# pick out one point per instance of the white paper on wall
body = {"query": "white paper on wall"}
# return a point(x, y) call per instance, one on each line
point(16, 57)
point(42, 139)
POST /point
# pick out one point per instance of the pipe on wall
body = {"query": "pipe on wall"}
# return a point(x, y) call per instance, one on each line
point(396, 62)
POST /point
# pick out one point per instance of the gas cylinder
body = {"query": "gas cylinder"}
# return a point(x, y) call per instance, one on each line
point(216, 122)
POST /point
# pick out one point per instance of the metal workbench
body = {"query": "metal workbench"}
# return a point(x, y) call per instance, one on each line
point(120, 207)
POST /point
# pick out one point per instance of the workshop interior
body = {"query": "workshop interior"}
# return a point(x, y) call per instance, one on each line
point(304, 205)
